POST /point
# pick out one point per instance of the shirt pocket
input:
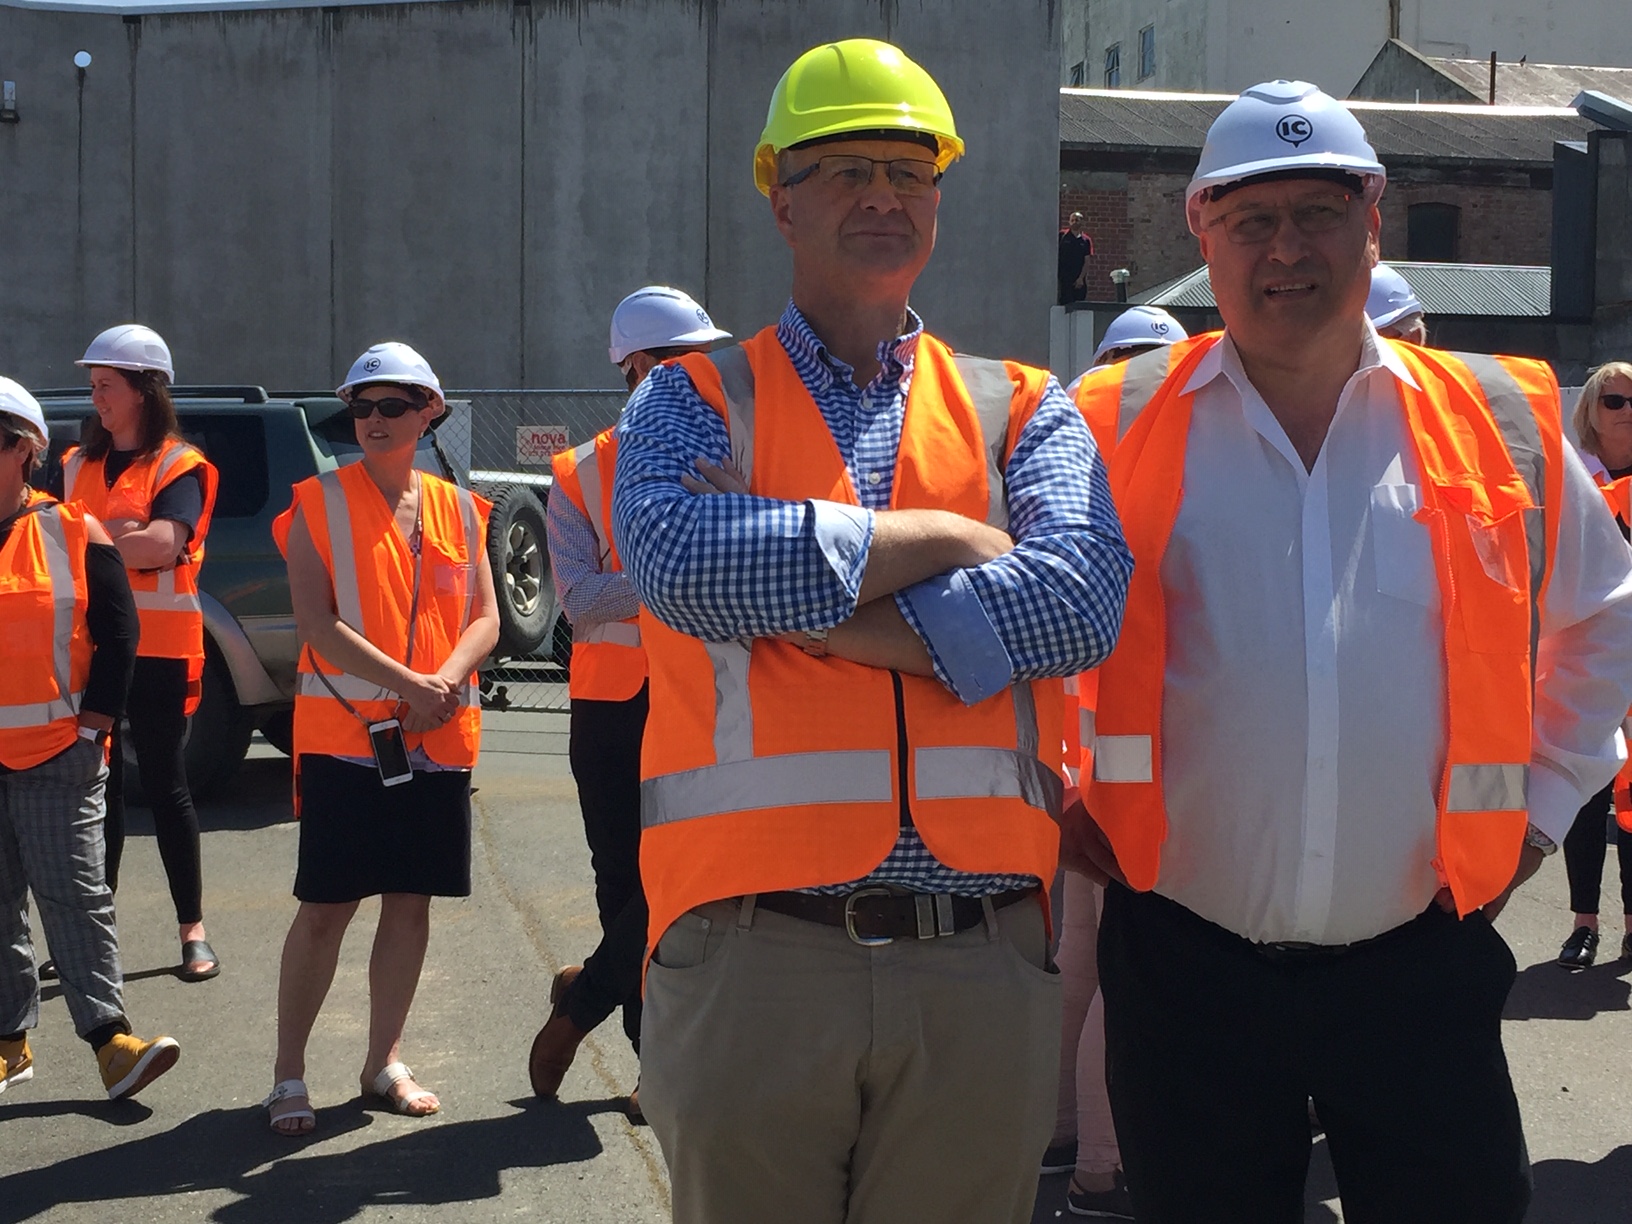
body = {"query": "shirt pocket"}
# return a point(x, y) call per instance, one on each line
point(1402, 553)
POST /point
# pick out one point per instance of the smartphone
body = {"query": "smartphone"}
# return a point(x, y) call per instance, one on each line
point(390, 752)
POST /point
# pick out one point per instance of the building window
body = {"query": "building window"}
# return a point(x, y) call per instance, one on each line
point(1079, 74)
point(1433, 233)
point(1147, 52)
point(1113, 65)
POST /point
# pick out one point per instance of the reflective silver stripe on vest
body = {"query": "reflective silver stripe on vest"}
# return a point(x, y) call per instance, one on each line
point(471, 522)
point(1517, 420)
point(992, 393)
point(172, 456)
point(744, 786)
point(986, 773)
point(588, 467)
point(1122, 758)
point(1142, 377)
point(70, 472)
point(1085, 728)
point(733, 709)
point(348, 604)
point(1489, 788)
point(165, 598)
point(355, 688)
point(614, 633)
point(737, 378)
point(60, 572)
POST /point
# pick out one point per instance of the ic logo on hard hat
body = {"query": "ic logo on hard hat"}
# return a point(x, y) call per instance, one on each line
point(1294, 129)
point(1159, 328)
point(702, 317)
point(372, 364)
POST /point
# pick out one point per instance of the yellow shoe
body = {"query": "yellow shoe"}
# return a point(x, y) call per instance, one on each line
point(130, 1064)
point(16, 1063)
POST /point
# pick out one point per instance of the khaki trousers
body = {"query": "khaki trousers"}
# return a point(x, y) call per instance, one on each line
point(794, 1077)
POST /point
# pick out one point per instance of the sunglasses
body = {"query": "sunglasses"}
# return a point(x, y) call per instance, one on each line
point(390, 409)
point(1615, 402)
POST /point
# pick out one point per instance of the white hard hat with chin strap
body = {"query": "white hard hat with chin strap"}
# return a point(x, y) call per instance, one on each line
point(1278, 129)
point(397, 363)
point(130, 346)
point(1391, 298)
point(20, 412)
point(659, 317)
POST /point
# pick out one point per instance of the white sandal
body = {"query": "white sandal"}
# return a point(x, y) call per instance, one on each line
point(282, 1092)
point(380, 1091)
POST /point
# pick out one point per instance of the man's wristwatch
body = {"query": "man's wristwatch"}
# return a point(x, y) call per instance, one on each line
point(815, 643)
point(91, 733)
point(1535, 837)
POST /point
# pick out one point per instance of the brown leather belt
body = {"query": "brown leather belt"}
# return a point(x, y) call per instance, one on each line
point(878, 915)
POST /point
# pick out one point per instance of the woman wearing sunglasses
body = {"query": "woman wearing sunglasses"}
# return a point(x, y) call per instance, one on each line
point(1603, 422)
point(394, 605)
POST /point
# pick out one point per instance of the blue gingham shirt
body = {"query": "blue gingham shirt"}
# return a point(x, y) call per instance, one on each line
point(731, 566)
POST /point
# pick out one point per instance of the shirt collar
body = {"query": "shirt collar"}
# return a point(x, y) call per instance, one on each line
point(895, 356)
point(1223, 359)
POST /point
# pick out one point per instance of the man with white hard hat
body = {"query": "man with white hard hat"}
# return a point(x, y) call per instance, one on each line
point(607, 687)
point(1133, 331)
point(68, 649)
point(1377, 646)
point(1393, 308)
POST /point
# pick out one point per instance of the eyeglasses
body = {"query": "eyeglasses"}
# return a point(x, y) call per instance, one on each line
point(1254, 224)
point(1615, 402)
point(908, 176)
point(390, 409)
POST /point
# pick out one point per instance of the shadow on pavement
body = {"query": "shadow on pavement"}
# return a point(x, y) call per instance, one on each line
point(1547, 991)
point(1575, 1192)
point(437, 1163)
point(111, 1113)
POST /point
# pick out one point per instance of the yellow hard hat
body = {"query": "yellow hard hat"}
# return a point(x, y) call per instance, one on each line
point(857, 85)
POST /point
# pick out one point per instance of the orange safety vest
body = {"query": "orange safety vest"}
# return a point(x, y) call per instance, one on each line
point(1488, 444)
point(608, 663)
point(1618, 493)
point(372, 569)
point(45, 644)
point(167, 601)
point(766, 769)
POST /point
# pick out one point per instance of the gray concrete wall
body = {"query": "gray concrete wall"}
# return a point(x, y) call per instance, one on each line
point(1612, 276)
point(275, 190)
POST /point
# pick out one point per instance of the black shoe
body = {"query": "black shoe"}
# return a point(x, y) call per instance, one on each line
point(1112, 1204)
point(48, 971)
point(1580, 949)
point(1061, 1157)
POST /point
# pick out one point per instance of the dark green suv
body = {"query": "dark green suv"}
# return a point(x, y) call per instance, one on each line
point(263, 445)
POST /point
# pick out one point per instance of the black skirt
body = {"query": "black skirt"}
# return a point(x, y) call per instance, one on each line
point(360, 838)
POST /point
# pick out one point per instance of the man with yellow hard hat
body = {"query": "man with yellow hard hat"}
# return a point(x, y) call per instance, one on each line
point(864, 564)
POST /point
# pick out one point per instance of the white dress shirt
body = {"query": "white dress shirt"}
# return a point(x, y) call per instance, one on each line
point(1303, 727)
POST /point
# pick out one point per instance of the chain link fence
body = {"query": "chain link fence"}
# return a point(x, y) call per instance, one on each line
point(504, 439)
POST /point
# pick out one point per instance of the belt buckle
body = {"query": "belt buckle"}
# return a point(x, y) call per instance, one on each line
point(865, 941)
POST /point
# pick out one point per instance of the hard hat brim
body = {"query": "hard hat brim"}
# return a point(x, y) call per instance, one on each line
point(136, 367)
point(1391, 317)
point(950, 146)
point(1144, 343)
point(703, 335)
point(1283, 165)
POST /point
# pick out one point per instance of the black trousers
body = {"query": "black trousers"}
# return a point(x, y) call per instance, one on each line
point(1585, 848)
point(604, 748)
point(1213, 1048)
point(157, 727)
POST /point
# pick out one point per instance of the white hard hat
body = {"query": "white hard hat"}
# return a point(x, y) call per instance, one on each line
point(394, 362)
point(1391, 298)
point(1140, 327)
point(1282, 126)
point(130, 346)
point(21, 408)
point(659, 317)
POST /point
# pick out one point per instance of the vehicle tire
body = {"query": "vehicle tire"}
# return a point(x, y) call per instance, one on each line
point(279, 731)
point(521, 570)
point(218, 732)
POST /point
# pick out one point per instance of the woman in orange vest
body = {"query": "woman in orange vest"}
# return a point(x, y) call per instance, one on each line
point(394, 605)
point(155, 493)
point(1603, 422)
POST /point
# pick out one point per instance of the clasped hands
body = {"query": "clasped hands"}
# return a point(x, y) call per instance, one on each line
point(432, 700)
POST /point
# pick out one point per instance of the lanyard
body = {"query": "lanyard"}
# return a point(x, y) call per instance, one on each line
point(416, 545)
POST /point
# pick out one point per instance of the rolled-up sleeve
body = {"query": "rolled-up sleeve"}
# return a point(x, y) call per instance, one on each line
point(1052, 606)
point(723, 566)
point(1584, 658)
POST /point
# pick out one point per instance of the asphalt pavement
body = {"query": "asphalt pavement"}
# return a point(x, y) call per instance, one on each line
point(195, 1146)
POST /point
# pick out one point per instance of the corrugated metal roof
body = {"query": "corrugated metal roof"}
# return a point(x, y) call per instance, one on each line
point(1534, 84)
point(1126, 120)
point(1495, 290)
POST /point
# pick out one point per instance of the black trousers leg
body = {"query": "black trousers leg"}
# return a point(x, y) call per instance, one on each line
point(1212, 1048)
point(158, 727)
point(604, 749)
point(1584, 851)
